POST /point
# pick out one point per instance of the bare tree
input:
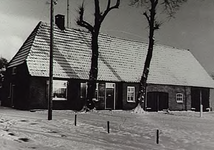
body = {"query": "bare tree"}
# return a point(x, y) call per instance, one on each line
point(94, 29)
point(3, 66)
point(169, 7)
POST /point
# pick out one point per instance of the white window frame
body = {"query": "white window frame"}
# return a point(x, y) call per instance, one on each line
point(179, 97)
point(63, 86)
point(131, 94)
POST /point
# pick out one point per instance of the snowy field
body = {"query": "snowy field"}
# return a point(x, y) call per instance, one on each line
point(25, 130)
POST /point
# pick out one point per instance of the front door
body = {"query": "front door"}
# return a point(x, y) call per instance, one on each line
point(110, 96)
point(157, 101)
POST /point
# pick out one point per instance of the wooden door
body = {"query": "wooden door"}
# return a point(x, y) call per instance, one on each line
point(110, 96)
point(157, 101)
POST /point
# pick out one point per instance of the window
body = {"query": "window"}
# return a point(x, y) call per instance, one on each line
point(179, 98)
point(60, 90)
point(83, 90)
point(99, 93)
point(14, 70)
point(130, 94)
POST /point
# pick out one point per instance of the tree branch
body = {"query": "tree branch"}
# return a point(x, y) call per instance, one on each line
point(147, 17)
point(171, 6)
point(85, 24)
point(157, 25)
point(97, 8)
point(81, 22)
point(109, 4)
point(155, 3)
point(109, 8)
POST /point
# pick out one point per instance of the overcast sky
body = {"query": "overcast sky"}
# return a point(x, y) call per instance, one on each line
point(192, 28)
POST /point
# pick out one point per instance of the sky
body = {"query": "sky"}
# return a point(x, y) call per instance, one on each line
point(191, 28)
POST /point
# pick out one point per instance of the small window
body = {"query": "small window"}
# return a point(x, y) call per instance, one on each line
point(60, 90)
point(14, 70)
point(130, 94)
point(179, 98)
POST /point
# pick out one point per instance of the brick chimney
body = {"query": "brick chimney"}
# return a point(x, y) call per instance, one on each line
point(60, 21)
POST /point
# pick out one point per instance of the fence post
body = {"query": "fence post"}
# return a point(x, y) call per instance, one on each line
point(75, 120)
point(108, 123)
point(157, 136)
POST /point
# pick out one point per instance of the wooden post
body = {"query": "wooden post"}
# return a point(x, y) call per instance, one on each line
point(157, 136)
point(108, 123)
point(201, 105)
point(50, 102)
point(75, 120)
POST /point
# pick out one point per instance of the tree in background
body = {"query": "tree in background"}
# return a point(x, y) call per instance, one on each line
point(169, 7)
point(3, 65)
point(99, 16)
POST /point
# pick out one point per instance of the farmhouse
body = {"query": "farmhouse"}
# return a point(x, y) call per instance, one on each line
point(176, 79)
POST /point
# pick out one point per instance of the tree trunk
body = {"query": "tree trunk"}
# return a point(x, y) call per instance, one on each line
point(143, 82)
point(93, 73)
point(98, 19)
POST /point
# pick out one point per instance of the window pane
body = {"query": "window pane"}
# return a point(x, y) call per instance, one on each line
point(179, 98)
point(130, 94)
point(83, 90)
point(101, 89)
point(59, 90)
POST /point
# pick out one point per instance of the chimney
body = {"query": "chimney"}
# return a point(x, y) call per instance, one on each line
point(60, 21)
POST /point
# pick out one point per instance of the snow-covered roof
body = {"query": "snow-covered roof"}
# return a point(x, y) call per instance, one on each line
point(119, 59)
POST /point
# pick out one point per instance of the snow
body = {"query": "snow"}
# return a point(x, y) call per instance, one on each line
point(25, 130)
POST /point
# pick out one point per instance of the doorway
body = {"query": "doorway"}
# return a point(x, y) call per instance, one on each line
point(110, 96)
point(195, 98)
point(157, 101)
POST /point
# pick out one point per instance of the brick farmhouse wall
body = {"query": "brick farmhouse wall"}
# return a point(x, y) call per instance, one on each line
point(172, 91)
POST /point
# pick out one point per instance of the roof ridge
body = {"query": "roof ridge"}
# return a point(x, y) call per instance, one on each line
point(173, 47)
point(101, 33)
point(77, 29)
point(121, 38)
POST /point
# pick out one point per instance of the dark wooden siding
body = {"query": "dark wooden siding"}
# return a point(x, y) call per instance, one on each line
point(19, 80)
point(119, 96)
point(38, 93)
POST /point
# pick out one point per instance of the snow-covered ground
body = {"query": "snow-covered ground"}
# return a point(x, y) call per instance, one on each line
point(25, 130)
